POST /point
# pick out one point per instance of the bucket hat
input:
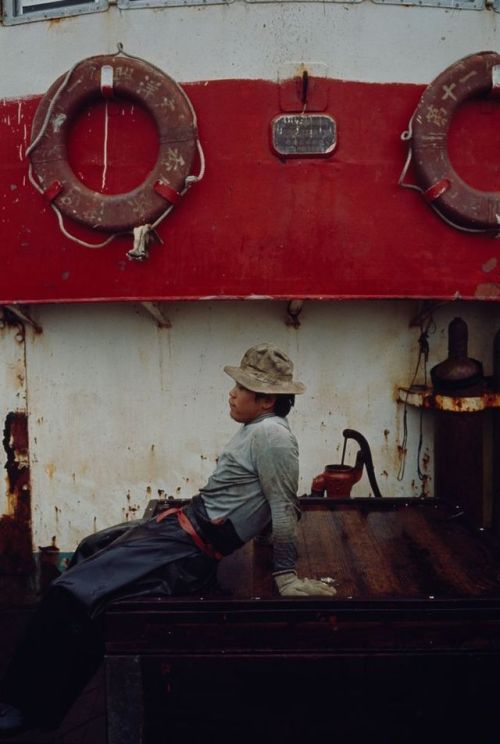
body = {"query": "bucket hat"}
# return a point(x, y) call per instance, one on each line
point(266, 369)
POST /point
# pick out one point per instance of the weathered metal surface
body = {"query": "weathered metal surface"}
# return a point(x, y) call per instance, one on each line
point(312, 220)
point(458, 457)
point(121, 410)
point(426, 398)
point(16, 550)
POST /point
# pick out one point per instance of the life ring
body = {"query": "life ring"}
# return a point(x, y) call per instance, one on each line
point(170, 108)
point(460, 204)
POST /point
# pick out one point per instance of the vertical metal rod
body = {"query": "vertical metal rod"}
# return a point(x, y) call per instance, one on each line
point(305, 87)
point(343, 450)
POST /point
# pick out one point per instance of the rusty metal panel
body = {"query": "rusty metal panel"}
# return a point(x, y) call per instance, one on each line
point(16, 551)
point(122, 411)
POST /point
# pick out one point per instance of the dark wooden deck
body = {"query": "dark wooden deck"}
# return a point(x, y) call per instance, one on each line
point(390, 549)
point(408, 650)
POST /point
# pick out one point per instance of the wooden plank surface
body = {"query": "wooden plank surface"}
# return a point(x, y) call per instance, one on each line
point(407, 552)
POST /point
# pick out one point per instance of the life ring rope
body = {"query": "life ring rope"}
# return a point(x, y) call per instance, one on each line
point(142, 233)
point(407, 136)
point(459, 205)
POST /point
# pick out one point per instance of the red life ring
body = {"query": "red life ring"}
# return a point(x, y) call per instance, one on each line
point(462, 205)
point(172, 112)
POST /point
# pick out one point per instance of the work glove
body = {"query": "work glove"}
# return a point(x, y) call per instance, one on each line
point(289, 585)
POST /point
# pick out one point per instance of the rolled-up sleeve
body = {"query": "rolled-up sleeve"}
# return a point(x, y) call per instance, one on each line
point(276, 457)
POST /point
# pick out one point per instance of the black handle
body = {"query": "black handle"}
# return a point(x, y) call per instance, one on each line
point(367, 458)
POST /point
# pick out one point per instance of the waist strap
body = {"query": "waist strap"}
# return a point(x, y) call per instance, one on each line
point(188, 528)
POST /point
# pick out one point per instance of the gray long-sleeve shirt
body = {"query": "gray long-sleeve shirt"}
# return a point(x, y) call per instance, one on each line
point(255, 483)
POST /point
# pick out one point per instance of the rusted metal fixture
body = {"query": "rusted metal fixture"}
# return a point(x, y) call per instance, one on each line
point(458, 436)
point(338, 480)
point(293, 311)
point(459, 373)
point(156, 310)
point(16, 552)
point(458, 458)
point(23, 316)
point(424, 397)
point(49, 569)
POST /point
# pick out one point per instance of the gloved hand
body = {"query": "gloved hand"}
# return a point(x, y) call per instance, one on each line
point(289, 585)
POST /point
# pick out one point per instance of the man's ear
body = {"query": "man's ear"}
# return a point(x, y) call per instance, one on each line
point(269, 402)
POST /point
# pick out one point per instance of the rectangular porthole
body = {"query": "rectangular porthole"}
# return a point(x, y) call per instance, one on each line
point(22, 11)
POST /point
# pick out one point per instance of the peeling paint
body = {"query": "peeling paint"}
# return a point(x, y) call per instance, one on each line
point(58, 121)
point(50, 469)
point(16, 551)
point(9, 320)
point(489, 265)
point(487, 291)
point(49, 564)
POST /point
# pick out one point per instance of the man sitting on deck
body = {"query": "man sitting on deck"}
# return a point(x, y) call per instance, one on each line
point(253, 489)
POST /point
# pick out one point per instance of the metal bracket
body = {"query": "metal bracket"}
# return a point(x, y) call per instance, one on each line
point(156, 310)
point(22, 314)
point(293, 310)
point(303, 86)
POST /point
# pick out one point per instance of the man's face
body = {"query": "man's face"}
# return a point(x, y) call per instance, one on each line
point(245, 407)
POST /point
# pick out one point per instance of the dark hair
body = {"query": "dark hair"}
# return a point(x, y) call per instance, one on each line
point(284, 402)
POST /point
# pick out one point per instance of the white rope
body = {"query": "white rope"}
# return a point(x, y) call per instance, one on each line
point(407, 136)
point(142, 233)
point(50, 108)
point(142, 236)
point(78, 240)
point(37, 186)
point(60, 220)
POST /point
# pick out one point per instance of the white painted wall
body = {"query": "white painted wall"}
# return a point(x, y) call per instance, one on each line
point(121, 409)
point(361, 41)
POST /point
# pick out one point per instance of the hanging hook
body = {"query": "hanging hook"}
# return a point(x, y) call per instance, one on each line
point(305, 87)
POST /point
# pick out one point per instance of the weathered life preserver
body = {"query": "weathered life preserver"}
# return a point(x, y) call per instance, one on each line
point(166, 102)
point(462, 205)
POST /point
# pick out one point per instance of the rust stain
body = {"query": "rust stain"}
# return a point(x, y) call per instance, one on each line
point(49, 569)
point(8, 319)
point(50, 469)
point(16, 549)
point(489, 265)
point(131, 510)
point(487, 291)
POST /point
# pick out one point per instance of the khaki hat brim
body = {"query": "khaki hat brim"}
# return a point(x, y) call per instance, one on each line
point(249, 382)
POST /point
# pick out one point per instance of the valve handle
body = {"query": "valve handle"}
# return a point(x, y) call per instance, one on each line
point(367, 457)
